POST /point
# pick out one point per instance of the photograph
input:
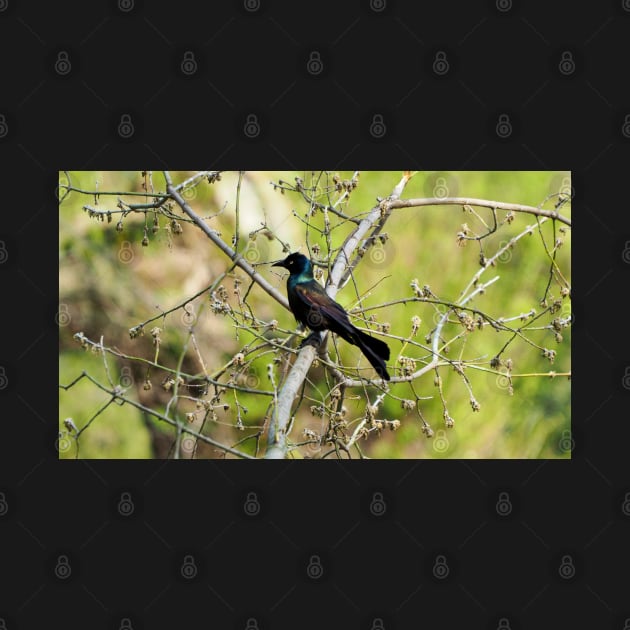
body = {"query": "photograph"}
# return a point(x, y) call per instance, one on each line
point(389, 315)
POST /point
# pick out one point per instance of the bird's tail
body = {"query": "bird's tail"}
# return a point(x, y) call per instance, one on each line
point(375, 351)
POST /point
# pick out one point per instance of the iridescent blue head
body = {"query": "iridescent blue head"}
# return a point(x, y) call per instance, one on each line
point(299, 267)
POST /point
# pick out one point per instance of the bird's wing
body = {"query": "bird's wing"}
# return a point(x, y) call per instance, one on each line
point(321, 311)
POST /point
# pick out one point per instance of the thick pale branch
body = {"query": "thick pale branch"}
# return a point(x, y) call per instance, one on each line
point(282, 413)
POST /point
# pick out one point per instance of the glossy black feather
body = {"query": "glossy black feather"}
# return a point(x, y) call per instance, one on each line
point(312, 307)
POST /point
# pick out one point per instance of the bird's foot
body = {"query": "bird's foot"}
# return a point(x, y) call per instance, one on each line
point(312, 340)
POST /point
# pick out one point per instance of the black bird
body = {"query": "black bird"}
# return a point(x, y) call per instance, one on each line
point(312, 307)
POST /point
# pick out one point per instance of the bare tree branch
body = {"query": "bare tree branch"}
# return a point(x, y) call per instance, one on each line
point(281, 415)
point(116, 394)
point(237, 259)
point(469, 201)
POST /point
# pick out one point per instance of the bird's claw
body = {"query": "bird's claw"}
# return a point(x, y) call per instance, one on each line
point(312, 340)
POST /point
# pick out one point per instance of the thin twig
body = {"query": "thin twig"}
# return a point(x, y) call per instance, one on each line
point(278, 447)
point(237, 259)
point(462, 201)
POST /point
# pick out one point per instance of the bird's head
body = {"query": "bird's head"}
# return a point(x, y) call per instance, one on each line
point(297, 264)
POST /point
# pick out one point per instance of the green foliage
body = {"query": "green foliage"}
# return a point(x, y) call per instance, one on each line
point(108, 296)
point(117, 433)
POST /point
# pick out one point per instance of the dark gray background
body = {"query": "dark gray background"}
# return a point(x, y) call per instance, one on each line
point(104, 86)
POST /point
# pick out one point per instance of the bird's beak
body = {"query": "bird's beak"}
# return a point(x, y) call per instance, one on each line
point(278, 263)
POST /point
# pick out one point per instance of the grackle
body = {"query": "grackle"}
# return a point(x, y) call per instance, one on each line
point(312, 307)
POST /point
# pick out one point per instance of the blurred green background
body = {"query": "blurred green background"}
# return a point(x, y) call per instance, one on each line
point(110, 282)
